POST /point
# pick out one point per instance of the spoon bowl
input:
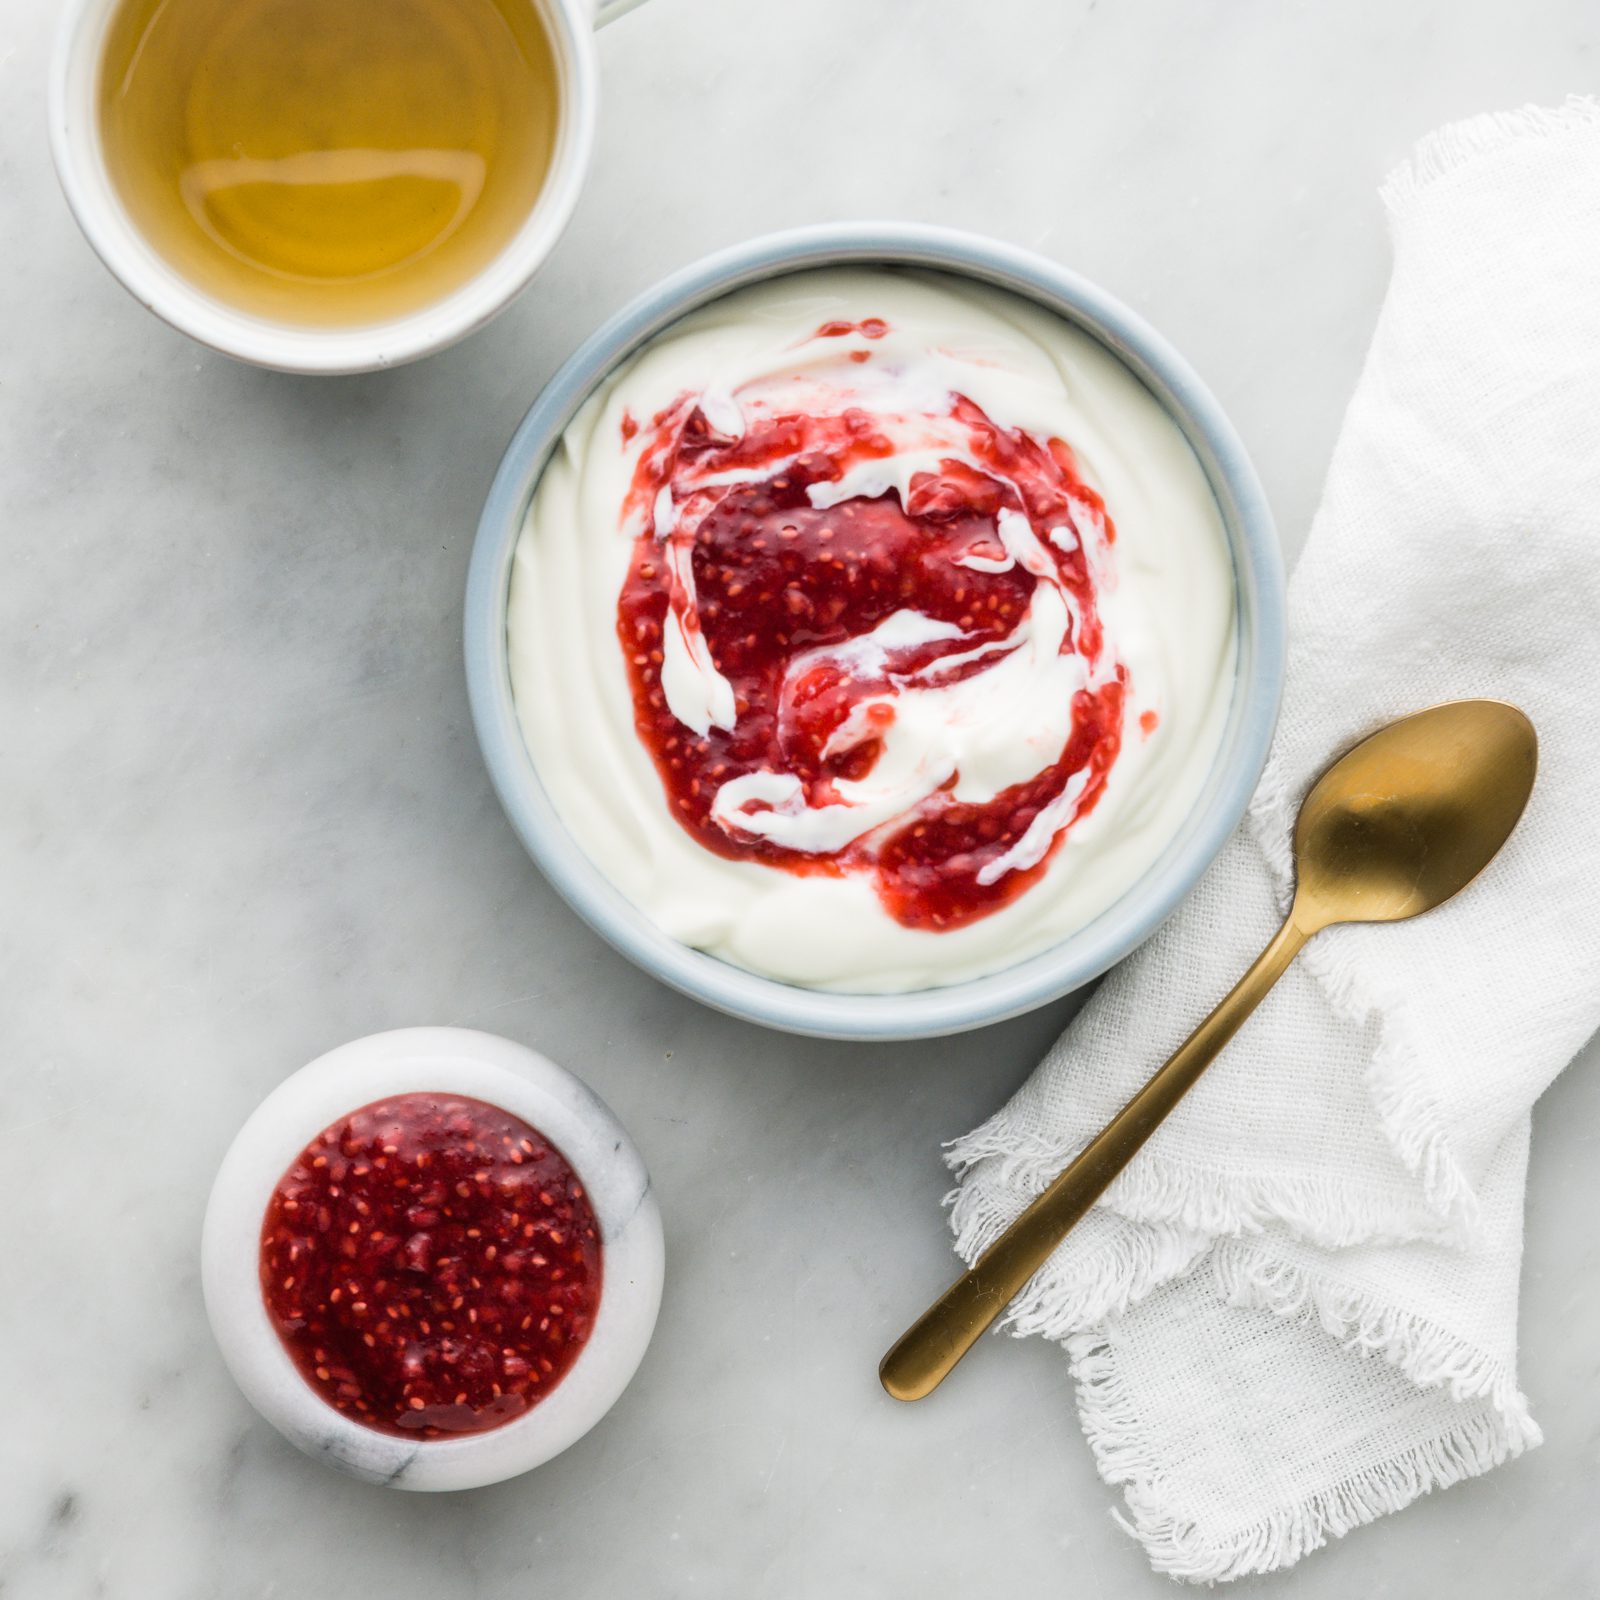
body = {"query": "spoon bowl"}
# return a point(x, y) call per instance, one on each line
point(1412, 814)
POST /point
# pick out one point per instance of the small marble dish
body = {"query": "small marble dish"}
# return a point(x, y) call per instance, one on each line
point(503, 1074)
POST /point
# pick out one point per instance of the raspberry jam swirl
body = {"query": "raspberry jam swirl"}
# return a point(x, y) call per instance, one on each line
point(862, 634)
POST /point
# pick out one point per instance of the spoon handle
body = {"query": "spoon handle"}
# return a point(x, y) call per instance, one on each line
point(926, 1352)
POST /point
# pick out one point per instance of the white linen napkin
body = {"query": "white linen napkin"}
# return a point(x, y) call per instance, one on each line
point(1297, 1309)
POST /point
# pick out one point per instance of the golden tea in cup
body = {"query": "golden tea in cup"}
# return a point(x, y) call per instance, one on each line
point(328, 162)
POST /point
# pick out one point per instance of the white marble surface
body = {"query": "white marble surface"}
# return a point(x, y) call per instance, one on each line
point(242, 818)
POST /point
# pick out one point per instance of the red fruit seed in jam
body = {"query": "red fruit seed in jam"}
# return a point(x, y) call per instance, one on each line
point(432, 1265)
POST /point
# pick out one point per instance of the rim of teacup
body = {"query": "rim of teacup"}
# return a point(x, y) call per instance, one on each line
point(92, 197)
point(1039, 979)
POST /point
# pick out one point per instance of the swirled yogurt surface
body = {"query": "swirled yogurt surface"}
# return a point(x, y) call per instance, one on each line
point(872, 630)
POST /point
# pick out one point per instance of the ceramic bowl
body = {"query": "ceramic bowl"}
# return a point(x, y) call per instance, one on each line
point(448, 1061)
point(291, 347)
point(1258, 571)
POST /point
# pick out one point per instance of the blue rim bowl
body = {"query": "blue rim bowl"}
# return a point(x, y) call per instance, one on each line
point(922, 1013)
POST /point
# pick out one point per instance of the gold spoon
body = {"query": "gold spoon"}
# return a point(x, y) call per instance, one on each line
point(1393, 828)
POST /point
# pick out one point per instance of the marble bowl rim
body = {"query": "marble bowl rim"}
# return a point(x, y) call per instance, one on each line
point(452, 1061)
point(1135, 915)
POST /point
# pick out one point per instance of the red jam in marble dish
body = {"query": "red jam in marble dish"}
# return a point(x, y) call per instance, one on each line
point(432, 1265)
point(828, 603)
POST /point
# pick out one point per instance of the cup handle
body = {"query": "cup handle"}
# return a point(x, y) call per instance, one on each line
point(609, 10)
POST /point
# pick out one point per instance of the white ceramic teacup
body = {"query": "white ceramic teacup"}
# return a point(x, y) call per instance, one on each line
point(80, 162)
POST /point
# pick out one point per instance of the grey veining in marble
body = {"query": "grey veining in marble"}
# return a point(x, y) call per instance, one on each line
point(242, 819)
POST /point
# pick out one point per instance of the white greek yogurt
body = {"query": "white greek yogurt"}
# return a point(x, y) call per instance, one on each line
point(1165, 599)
